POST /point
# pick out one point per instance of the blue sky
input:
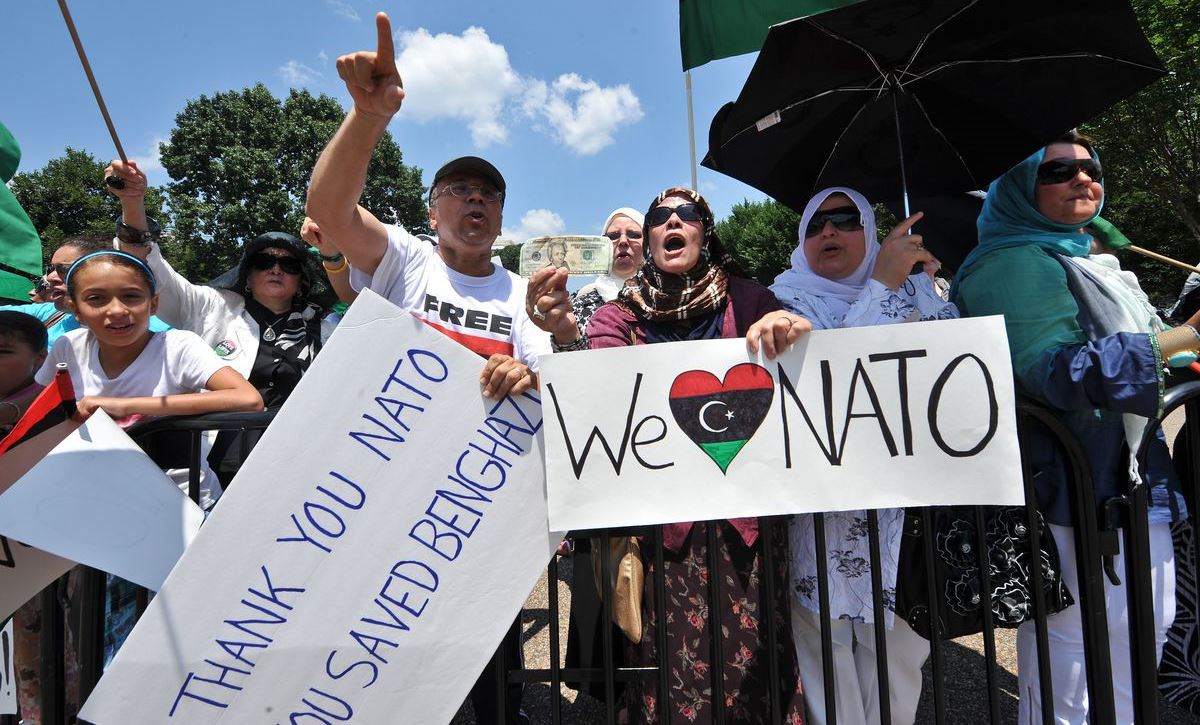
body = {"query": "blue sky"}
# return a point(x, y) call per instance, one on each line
point(580, 104)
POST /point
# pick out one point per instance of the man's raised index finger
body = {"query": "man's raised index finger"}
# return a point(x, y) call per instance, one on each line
point(385, 54)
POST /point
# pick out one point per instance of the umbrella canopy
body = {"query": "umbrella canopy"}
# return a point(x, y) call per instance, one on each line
point(970, 87)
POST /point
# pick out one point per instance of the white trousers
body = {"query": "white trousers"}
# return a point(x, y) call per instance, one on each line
point(1065, 633)
point(855, 675)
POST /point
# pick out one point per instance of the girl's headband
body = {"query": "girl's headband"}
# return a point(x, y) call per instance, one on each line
point(110, 253)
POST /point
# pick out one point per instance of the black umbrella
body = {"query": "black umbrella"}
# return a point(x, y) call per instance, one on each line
point(933, 95)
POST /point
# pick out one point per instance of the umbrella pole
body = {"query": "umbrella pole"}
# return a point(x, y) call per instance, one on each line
point(900, 149)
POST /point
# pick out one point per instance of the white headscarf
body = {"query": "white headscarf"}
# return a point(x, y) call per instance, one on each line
point(845, 290)
point(608, 285)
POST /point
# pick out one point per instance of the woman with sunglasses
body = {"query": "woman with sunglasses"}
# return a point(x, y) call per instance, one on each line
point(841, 276)
point(266, 318)
point(1086, 341)
point(686, 290)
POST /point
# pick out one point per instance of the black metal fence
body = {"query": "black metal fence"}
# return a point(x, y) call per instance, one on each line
point(1096, 542)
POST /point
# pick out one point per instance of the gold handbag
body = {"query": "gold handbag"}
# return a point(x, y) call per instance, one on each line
point(627, 576)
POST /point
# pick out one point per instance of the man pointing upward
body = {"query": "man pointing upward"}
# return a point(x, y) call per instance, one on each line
point(452, 286)
point(450, 283)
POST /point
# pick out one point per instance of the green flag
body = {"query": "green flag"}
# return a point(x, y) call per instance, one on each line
point(20, 246)
point(712, 29)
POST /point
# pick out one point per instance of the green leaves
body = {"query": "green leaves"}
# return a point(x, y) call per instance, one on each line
point(240, 164)
point(67, 198)
point(761, 237)
point(1150, 146)
point(510, 257)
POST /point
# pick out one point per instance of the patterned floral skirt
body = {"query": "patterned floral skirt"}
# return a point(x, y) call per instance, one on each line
point(745, 665)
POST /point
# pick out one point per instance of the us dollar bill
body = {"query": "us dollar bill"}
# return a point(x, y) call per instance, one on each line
point(577, 254)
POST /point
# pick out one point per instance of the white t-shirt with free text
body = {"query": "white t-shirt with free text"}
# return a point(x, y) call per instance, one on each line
point(484, 314)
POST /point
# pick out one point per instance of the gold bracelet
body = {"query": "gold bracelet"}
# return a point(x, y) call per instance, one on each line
point(338, 268)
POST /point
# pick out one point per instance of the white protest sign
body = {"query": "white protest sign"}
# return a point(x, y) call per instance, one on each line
point(8, 672)
point(98, 499)
point(25, 571)
point(369, 556)
point(876, 417)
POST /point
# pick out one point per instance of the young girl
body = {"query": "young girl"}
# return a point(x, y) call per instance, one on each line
point(118, 364)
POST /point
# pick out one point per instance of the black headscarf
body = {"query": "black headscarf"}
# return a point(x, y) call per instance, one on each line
point(288, 341)
point(314, 284)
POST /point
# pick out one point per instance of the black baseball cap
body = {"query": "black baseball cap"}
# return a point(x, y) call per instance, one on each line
point(471, 165)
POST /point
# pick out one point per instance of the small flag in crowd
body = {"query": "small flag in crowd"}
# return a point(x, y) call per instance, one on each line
point(714, 29)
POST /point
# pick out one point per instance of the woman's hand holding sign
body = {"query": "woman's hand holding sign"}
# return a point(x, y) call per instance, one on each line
point(775, 332)
point(371, 77)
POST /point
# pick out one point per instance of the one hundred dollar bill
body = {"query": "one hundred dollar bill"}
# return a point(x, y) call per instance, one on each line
point(578, 255)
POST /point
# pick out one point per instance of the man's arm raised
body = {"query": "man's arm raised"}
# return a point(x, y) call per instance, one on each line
point(341, 170)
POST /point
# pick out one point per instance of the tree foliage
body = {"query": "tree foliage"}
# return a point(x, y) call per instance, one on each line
point(1150, 147)
point(240, 163)
point(67, 198)
point(510, 257)
point(760, 235)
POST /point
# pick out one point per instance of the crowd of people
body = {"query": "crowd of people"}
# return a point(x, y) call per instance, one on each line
point(138, 339)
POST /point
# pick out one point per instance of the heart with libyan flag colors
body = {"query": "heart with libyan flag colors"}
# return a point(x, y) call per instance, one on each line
point(721, 416)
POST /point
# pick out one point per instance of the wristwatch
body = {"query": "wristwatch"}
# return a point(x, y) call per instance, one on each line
point(138, 237)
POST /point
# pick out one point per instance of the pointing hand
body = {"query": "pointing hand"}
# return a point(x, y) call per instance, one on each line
point(371, 77)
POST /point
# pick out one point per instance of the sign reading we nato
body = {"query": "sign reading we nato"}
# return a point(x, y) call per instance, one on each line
point(369, 556)
point(875, 417)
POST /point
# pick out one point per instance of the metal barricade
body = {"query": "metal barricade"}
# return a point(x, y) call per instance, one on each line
point(90, 583)
point(1090, 598)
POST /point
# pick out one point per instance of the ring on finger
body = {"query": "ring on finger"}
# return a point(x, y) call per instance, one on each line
point(536, 312)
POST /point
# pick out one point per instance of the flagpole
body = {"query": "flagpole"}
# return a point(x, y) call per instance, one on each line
point(87, 68)
point(687, 81)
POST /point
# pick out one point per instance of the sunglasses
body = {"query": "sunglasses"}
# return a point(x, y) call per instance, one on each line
point(263, 262)
point(660, 214)
point(844, 218)
point(59, 269)
point(1060, 171)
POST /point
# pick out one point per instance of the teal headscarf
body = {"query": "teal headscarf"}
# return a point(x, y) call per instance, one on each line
point(1010, 218)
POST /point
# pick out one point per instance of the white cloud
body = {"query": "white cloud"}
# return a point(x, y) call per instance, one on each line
point(465, 77)
point(469, 78)
point(583, 114)
point(295, 73)
point(536, 223)
point(151, 162)
point(343, 9)
point(323, 57)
